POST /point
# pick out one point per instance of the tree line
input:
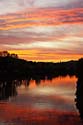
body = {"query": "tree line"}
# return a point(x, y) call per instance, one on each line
point(13, 67)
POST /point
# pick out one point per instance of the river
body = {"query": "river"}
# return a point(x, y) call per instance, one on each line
point(39, 102)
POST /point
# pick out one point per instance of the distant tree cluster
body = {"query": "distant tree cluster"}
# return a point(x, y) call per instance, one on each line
point(7, 54)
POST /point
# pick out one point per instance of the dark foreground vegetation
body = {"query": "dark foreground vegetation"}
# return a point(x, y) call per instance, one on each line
point(13, 67)
point(79, 88)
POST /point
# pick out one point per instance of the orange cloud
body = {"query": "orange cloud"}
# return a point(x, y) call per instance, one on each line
point(38, 55)
point(41, 17)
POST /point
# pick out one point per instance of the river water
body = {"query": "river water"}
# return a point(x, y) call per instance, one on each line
point(39, 102)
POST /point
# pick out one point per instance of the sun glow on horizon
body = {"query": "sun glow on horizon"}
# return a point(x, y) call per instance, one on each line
point(33, 55)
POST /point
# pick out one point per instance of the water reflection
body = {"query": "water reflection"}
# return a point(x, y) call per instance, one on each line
point(37, 102)
point(10, 88)
point(7, 90)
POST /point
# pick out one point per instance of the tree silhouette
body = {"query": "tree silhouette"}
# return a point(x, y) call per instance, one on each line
point(7, 54)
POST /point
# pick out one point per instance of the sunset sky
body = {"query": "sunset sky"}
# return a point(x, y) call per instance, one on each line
point(42, 30)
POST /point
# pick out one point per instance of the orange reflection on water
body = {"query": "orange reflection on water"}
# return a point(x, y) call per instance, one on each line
point(50, 102)
point(32, 84)
point(24, 116)
point(60, 80)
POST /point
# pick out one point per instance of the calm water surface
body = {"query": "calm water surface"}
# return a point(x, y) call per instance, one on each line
point(41, 102)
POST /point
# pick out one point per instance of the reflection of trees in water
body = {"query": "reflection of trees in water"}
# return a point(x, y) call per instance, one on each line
point(8, 87)
point(7, 90)
point(79, 97)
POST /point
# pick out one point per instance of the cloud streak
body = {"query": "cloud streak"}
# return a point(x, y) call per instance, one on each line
point(47, 17)
point(11, 6)
point(48, 28)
